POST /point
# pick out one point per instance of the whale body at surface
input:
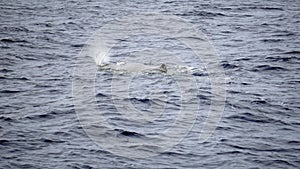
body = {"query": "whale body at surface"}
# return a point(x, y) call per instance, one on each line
point(135, 67)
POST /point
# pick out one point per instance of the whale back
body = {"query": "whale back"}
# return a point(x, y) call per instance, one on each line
point(135, 67)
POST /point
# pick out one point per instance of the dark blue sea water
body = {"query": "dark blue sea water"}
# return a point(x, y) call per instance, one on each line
point(257, 43)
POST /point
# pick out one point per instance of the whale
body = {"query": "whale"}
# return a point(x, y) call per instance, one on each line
point(134, 67)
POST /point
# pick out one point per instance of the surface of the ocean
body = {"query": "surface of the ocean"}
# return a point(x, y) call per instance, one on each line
point(258, 46)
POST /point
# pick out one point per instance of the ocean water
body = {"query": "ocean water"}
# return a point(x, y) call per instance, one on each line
point(257, 43)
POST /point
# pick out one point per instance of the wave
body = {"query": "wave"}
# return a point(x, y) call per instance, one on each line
point(128, 133)
point(267, 68)
point(13, 40)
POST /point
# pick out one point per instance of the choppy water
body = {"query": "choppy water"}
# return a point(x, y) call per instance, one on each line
point(257, 41)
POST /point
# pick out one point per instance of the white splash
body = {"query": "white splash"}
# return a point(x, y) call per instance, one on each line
point(102, 59)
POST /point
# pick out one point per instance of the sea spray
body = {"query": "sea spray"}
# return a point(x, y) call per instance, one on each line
point(101, 59)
